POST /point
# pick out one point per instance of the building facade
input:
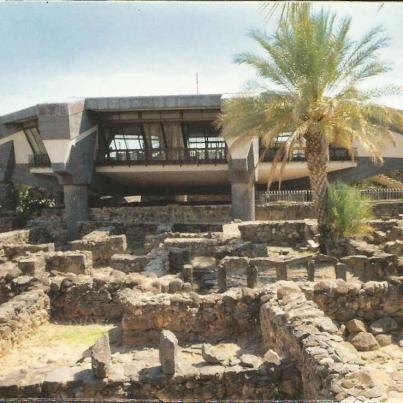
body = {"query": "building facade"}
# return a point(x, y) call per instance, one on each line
point(163, 145)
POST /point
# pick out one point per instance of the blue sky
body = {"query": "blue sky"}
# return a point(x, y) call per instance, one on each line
point(56, 52)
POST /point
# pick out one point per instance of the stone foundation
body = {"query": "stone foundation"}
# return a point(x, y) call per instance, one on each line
point(367, 301)
point(277, 232)
point(296, 328)
point(190, 317)
point(20, 316)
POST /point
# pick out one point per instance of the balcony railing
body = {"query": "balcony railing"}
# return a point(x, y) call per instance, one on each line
point(335, 154)
point(175, 156)
point(39, 161)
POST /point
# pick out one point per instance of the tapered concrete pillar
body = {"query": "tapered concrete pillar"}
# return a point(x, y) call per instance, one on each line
point(76, 206)
point(242, 177)
point(243, 200)
point(8, 196)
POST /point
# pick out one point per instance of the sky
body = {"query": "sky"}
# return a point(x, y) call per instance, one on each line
point(65, 51)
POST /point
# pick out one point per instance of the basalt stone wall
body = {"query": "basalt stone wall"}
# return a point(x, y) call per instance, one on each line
point(83, 298)
point(190, 316)
point(295, 327)
point(138, 231)
point(367, 301)
point(15, 237)
point(13, 282)
point(20, 316)
point(388, 209)
point(133, 231)
point(277, 232)
point(8, 224)
point(202, 384)
point(284, 211)
point(163, 214)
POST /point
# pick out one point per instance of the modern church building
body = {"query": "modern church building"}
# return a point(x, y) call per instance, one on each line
point(162, 145)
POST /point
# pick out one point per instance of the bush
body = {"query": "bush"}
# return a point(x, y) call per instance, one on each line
point(348, 211)
point(31, 201)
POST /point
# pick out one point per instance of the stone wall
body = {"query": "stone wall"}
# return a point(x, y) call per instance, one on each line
point(83, 298)
point(163, 214)
point(277, 232)
point(13, 282)
point(202, 384)
point(295, 327)
point(390, 209)
point(190, 316)
point(8, 224)
point(20, 316)
point(367, 301)
point(15, 237)
point(284, 211)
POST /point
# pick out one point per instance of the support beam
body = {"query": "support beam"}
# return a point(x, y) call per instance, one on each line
point(243, 201)
point(76, 207)
point(242, 177)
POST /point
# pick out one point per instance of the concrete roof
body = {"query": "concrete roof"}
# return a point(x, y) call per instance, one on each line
point(21, 115)
point(154, 102)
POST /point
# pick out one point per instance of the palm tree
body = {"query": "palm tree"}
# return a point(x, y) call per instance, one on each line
point(316, 70)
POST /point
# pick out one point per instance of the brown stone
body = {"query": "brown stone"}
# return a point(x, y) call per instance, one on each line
point(384, 339)
point(168, 352)
point(364, 341)
point(355, 326)
point(101, 357)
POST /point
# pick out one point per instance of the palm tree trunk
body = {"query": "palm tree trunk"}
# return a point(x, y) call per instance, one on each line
point(317, 156)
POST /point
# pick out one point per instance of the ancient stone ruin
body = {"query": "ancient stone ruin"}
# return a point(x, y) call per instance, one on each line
point(237, 311)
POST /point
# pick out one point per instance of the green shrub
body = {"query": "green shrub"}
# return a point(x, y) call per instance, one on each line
point(31, 201)
point(348, 211)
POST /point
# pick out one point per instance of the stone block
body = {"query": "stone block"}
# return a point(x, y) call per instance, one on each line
point(222, 278)
point(251, 276)
point(281, 272)
point(383, 325)
point(310, 270)
point(175, 286)
point(32, 264)
point(101, 357)
point(168, 352)
point(234, 262)
point(355, 326)
point(395, 247)
point(341, 271)
point(363, 341)
point(14, 250)
point(178, 257)
point(102, 247)
point(128, 263)
point(187, 273)
point(69, 262)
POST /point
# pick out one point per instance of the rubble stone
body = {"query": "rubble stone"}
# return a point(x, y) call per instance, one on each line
point(364, 341)
point(168, 352)
point(101, 357)
point(383, 325)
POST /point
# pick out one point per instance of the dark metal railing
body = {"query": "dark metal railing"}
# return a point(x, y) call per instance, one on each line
point(214, 155)
point(39, 161)
point(335, 154)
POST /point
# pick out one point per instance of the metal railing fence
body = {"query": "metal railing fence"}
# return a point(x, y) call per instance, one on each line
point(305, 196)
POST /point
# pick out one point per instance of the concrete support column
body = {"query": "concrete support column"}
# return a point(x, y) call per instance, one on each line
point(76, 207)
point(8, 196)
point(242, 177)
point(58, 195)
point(243, 200)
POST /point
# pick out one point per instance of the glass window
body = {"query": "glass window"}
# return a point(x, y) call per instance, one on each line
point(126, 138)
point(202, 135)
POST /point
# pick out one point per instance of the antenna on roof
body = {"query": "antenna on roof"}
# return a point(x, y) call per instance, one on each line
point(197, 83)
